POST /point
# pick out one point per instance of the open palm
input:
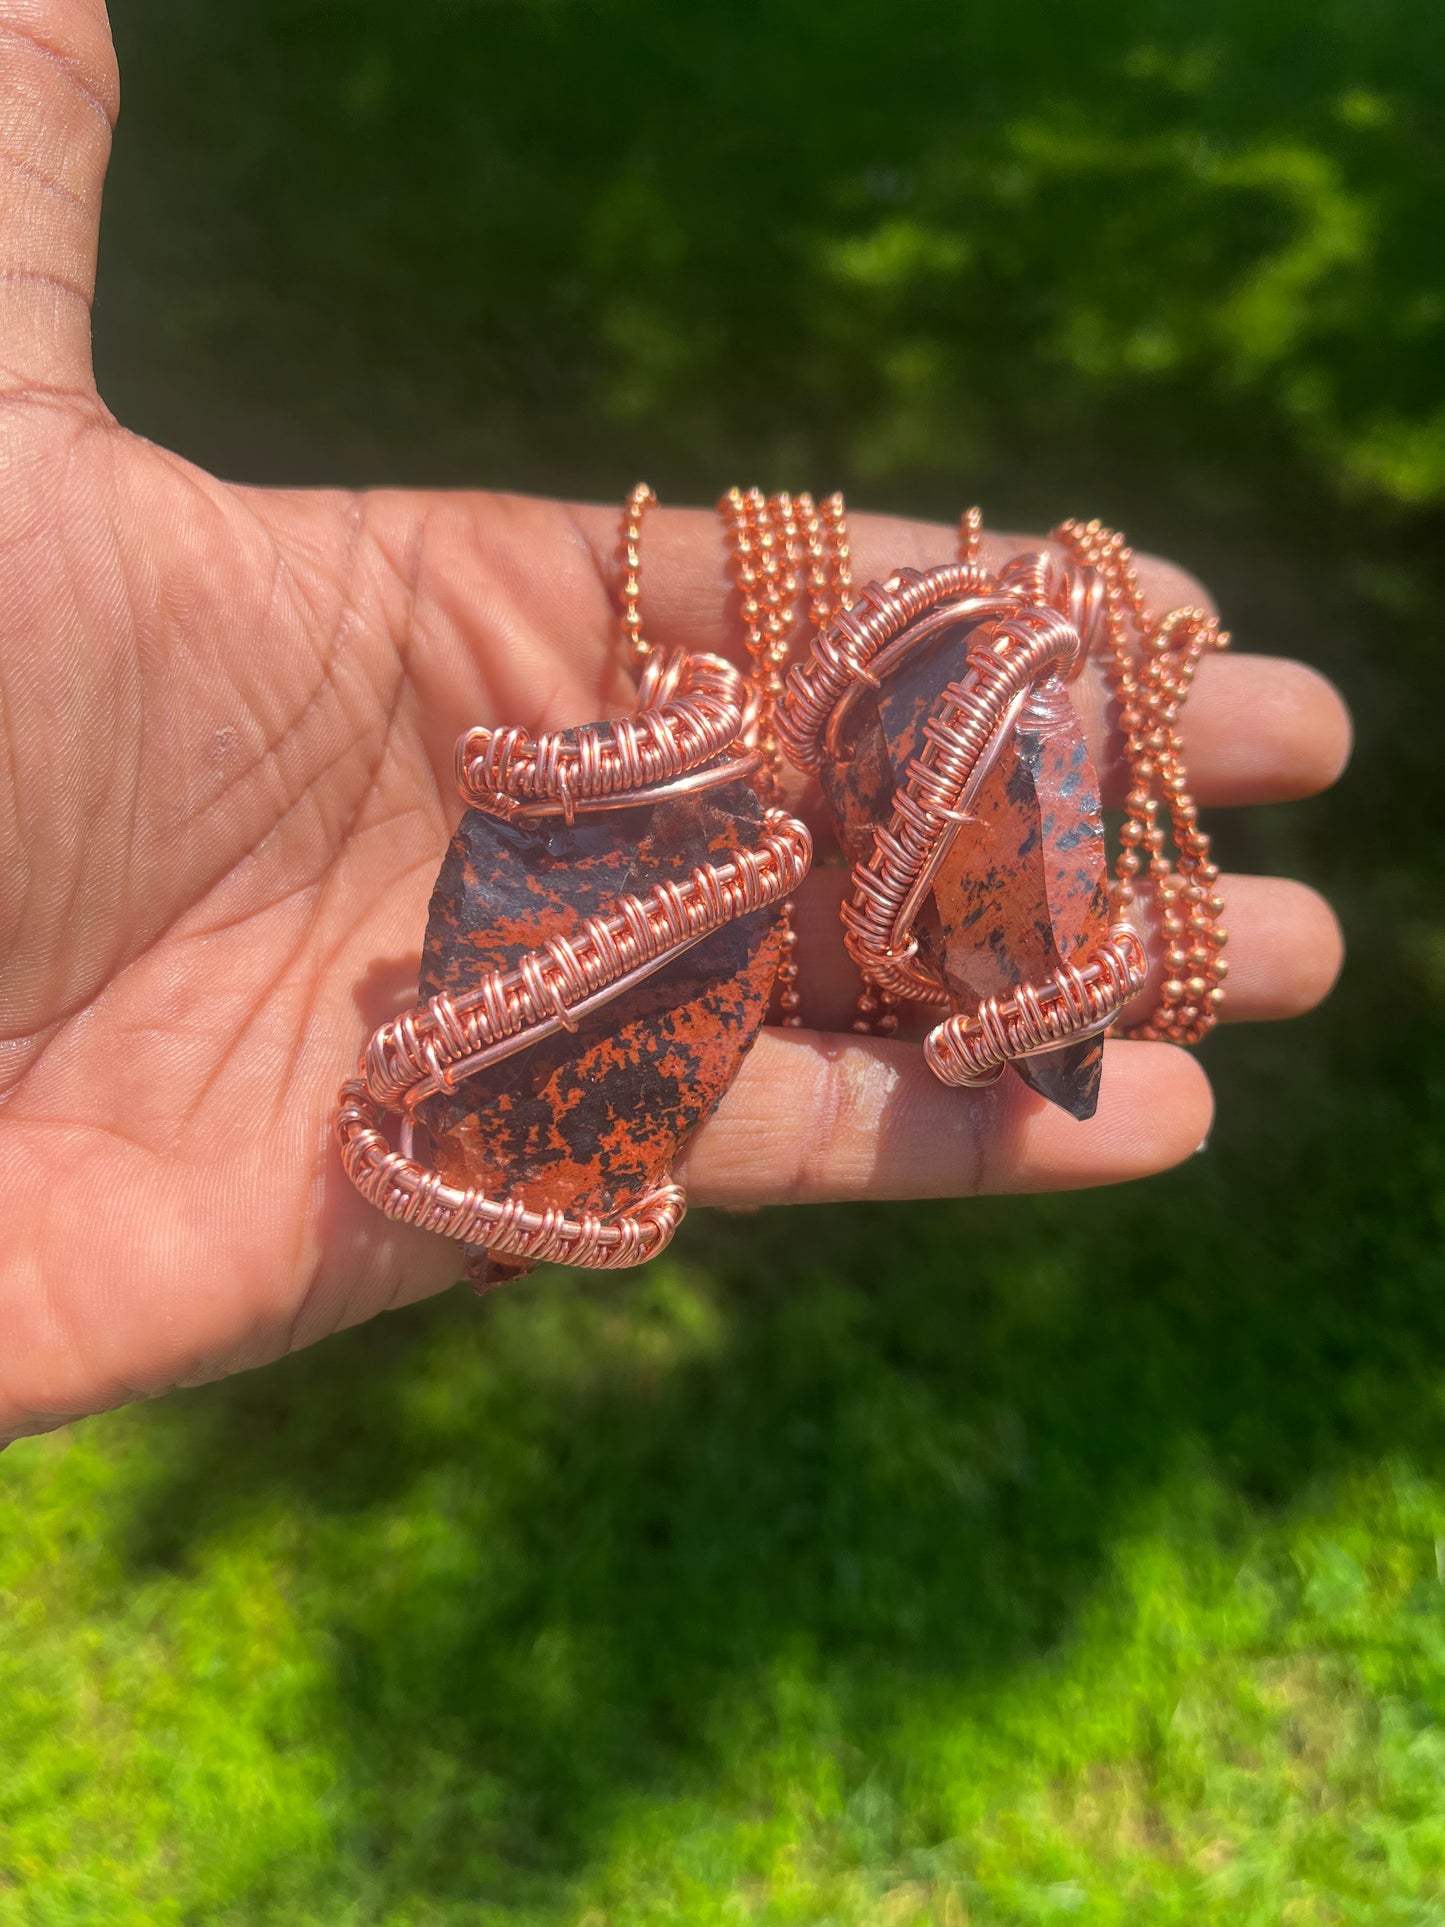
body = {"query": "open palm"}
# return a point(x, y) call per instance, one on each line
point(227, 725)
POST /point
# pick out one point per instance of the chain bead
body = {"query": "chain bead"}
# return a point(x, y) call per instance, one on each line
point(787, 551)
point(639, 501)
point(1150, 662)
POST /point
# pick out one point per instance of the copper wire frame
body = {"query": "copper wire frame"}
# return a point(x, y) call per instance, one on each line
point(1081, 999)
point(1020, 628)
point(692, 709)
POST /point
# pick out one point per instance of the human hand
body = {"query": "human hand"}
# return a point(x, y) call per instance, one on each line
point(228, 716)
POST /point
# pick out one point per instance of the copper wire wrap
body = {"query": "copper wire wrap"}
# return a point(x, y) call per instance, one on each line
point(439, 1043)
point(690, 709)
point(409, 1193)
point(973, 1047)
point(693, 711)
point(843, 652)
point(1021, 631)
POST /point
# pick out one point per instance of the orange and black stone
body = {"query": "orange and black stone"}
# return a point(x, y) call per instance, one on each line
point(1024, 886)
point(591, 1120)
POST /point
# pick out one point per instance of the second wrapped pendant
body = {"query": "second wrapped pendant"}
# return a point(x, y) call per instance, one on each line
point(936, 714)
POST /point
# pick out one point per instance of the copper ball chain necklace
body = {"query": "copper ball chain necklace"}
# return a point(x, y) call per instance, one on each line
point(1150, 663)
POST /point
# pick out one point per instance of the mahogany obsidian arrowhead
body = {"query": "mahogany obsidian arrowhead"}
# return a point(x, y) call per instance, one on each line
point(1024, 887)
point(591, 1120)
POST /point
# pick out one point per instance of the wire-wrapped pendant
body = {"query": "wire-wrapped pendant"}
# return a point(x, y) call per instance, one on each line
point(601, 949)
point(935, 712)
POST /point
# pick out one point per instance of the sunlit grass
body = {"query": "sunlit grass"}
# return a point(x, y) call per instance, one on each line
point(711, 1596)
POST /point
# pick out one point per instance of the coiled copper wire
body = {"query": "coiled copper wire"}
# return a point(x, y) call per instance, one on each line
point(439, 1043)
point(409, 1193)
point(638, 758)
point(1077, 593)
point(843, 653)
point(693, 710)
point(1079, 1000)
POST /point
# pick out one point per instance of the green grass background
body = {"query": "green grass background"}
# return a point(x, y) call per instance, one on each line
point(1031, 1561)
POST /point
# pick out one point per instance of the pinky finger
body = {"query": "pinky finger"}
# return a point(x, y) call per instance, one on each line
point(814, 1118)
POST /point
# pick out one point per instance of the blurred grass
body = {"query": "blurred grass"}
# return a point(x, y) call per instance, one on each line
point(1019, 1562)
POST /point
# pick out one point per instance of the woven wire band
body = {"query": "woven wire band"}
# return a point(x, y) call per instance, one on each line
point(845, 654)
point(445, 1039)
point(690, 710)
point(1080, 999)
point(409, 1193)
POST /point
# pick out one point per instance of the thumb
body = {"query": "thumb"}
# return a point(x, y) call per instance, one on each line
point(59, 96)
